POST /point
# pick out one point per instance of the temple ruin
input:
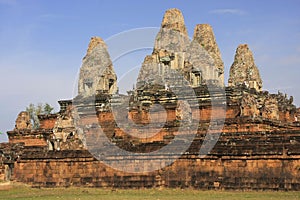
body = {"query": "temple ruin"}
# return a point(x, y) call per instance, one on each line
point(258, 139)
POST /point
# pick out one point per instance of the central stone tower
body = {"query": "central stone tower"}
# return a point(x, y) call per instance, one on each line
point(198, 60)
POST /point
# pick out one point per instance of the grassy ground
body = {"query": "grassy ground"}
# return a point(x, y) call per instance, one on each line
point(25, 192)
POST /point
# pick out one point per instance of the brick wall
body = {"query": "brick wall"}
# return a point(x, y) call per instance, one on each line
point(257, 173)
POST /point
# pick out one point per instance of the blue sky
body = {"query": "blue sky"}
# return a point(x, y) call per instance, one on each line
point(42, 42)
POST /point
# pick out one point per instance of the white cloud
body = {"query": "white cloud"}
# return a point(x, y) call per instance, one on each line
point(228, 11)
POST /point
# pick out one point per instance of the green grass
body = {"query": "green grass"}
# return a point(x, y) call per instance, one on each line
point(24, 192)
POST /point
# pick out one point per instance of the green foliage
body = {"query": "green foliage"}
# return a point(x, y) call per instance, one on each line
point(47, 109)
point(36, 110)
point(33, 113)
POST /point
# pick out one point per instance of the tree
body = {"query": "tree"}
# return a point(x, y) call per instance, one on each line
point(35, 111)
point(32, 110)
point(47, 109)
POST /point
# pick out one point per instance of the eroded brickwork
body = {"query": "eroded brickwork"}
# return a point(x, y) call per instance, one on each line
point(258, 147)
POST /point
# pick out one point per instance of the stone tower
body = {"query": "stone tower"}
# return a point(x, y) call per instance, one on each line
point(173, 50)
point(204, 35)
point(173, 19)
point(97, 73)
point(243, 71)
